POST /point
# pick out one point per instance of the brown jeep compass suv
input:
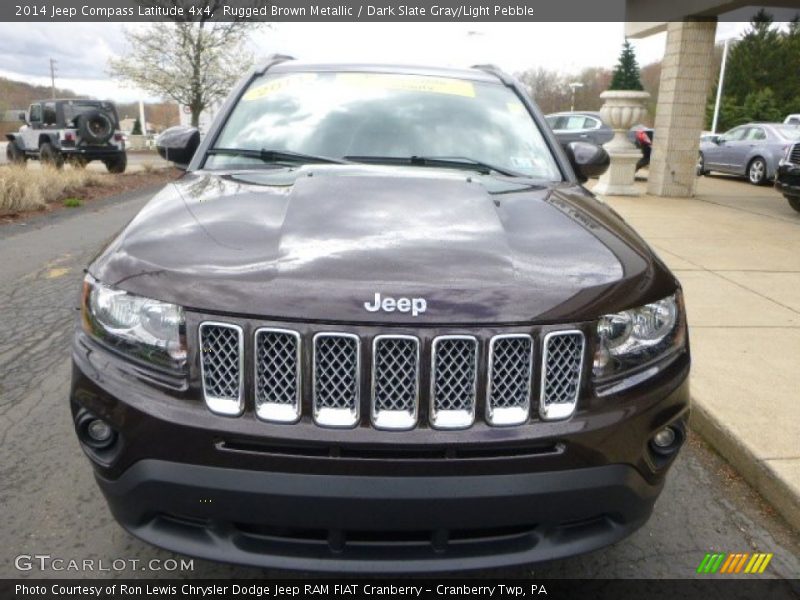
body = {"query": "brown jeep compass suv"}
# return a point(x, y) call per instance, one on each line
point(379, 326)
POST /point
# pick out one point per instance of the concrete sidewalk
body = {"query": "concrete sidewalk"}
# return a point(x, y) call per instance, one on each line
point(736, 250)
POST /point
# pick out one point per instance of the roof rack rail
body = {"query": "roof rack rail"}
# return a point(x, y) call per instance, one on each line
point(496, 71)
point(271, 61)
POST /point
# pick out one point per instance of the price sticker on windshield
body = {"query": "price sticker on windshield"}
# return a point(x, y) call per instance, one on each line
point(409, 83)
point(273, 86)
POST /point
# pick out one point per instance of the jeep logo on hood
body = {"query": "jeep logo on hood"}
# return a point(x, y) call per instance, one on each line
point(416, 306)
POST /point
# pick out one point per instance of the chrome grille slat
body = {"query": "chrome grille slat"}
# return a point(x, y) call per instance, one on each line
point(395, 381)
point(222, 372)
point(337, 370)
point(794, 155)
point(454, 373)
point(395, 398)
point(277, 375)
point(562, 366)
point(509, 390)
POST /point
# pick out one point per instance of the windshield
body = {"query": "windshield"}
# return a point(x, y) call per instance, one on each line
point(365, 115)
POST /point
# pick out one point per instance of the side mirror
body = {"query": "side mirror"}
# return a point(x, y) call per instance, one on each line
point(178, 144)
point(22, 117)
point(718, 140)
point(588, 160)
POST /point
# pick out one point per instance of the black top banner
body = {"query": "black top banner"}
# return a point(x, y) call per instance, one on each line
point(367, 11)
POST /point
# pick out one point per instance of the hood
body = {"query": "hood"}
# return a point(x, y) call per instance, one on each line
point(318, 242)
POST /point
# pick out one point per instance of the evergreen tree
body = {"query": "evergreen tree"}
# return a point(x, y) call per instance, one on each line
point(762, 77)
point(137, 127)
point(626, 73)
point(761, 105)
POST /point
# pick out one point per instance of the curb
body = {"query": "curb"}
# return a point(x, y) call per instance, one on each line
point(758, 473)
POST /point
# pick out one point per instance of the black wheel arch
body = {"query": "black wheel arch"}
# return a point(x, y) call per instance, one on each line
point(48, 138)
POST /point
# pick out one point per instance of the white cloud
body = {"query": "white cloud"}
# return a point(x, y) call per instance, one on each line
point(83, 49)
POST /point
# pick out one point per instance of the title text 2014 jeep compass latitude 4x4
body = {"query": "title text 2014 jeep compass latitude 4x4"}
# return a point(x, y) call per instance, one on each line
point(380, 326)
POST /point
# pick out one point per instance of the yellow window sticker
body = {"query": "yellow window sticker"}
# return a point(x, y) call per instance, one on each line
point(279, 84)
point(409, 83)
point(516, 108)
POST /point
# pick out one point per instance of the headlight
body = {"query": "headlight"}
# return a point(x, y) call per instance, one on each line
point(145, 329)
point(636, 337)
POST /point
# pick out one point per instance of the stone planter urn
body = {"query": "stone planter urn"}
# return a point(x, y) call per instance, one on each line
point(621, 110)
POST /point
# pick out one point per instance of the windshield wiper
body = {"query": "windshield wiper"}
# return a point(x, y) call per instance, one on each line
point(275, 156)
point(456, 162)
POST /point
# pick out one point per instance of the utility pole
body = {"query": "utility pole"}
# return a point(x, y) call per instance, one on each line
point(143, 118)
point(719, 86)
point(53, 77)
point(574, 86)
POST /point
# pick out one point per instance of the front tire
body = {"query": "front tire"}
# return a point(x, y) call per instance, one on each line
point(14, 155)
point(50, 156)
point(701, 165)
point(116, 165)
point(794, 202)
point(757, 171)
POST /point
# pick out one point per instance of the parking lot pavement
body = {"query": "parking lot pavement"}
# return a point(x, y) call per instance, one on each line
point(136, 161)
point(51, 505)
point(736, 249)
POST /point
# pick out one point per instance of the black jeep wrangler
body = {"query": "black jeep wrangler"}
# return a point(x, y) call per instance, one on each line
point(74, 131)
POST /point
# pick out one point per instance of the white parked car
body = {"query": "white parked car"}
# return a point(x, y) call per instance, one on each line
point(792, 120)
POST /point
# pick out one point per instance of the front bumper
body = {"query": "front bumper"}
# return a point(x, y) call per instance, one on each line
point(378, 524)
point(787, 179)
point(361, 500)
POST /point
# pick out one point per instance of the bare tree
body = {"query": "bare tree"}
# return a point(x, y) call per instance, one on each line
point(548, 88)
point(194, 61)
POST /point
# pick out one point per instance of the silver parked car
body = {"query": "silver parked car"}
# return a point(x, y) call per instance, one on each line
point(753, 150)
point(584, 126)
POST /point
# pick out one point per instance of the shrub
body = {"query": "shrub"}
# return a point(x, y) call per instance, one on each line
point(24, 189)
point(72, 202)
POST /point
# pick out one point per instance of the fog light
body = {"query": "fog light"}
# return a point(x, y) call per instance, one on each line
point(99, 431)
point(664, 438)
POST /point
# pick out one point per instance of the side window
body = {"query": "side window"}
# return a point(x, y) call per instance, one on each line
point(558, 122)
point(575, 123)
point(734, 134)
point(36, 113)
point(793, 121)
point(49, 114)
point(591, 123)
point(756, 133)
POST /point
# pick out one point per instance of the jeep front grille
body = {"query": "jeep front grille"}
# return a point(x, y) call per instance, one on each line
point(794, 155)
point(454, 376)
point(221, 356)
point(562, 364)
point(395, 381)
point(509, 391)
point(396, 387)
point(337, 370)
point(277, 380)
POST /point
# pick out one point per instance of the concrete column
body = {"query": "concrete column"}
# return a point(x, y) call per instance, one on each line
point(686, 73)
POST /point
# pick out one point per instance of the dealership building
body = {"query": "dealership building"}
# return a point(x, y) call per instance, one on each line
point(687, 71)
